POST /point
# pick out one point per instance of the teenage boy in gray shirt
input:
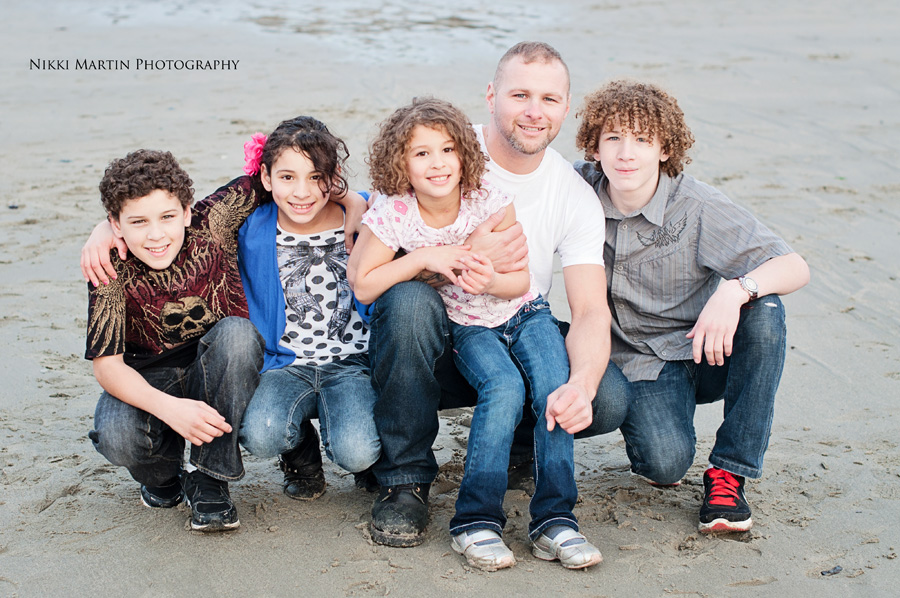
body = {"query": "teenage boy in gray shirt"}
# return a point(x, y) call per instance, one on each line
point(680, 335)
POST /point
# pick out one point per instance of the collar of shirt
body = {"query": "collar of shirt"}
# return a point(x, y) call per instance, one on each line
point(654, 211)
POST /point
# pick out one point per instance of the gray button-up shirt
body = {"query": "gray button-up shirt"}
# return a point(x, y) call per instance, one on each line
point(664, 261)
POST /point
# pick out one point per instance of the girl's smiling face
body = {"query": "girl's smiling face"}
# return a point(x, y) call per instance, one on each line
point(433, 165)
point(296, 186)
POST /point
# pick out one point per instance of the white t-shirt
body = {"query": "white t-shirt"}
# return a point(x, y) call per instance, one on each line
point(559, 211)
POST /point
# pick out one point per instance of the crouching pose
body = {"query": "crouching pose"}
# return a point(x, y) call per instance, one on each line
point(293, 260)
point(428, 162)
point(693, 283)
point(170, 340)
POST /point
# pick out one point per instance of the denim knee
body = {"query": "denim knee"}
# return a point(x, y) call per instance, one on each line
point(260, 437)
point(409, 314)
point(611, 404)
point(763, 323)
point(664, 463)
point(124, 446)
point(239, 337)
point(355, 454)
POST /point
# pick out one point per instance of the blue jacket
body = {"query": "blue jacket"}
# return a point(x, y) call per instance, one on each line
point(258, 263)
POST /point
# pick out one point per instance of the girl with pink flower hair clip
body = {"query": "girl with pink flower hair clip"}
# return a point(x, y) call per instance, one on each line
point(293, 258)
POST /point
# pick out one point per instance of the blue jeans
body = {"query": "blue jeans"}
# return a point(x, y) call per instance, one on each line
point(525, 355)
point(339, 393)
point(659, 430)
point(224, 375)
point(414, 375)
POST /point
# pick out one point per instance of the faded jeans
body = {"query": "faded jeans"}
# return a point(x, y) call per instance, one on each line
point(339, 393)
point(224, 375)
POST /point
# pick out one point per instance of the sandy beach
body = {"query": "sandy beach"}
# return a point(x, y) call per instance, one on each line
point(795, 111)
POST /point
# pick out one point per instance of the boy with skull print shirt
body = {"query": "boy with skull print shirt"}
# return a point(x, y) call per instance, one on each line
point(169, 337)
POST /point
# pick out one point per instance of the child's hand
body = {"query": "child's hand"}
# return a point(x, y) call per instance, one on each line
point(195, 421)
point(355, 207)
point(95, 264)
point(443, 260)
point(477, 276)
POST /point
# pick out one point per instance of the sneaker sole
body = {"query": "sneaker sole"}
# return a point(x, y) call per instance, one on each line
point(216, 526)
point(396, 540)
point(304, 498)
point(547, 556)
point(723, 526)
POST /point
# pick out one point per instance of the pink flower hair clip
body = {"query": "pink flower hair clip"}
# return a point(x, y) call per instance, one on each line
point(253, 151)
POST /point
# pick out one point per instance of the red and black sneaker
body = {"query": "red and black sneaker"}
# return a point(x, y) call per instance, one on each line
point(725, 508)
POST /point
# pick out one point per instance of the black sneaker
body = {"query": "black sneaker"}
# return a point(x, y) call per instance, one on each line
point(304, 477)
point(162, 497)
point(725, 508)
point(400, 514)
point(210, 502)
point(366, 480)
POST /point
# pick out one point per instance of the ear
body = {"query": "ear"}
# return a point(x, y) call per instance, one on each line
point(568, 104)
point(489, 97)
point(266, 179)
point(187, 216)
point(663, 157)
point(114, 223)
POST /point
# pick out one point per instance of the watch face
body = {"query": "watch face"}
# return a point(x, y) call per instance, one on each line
point(749, 284)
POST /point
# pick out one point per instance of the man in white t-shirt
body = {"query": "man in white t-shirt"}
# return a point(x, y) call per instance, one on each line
point(410, 352)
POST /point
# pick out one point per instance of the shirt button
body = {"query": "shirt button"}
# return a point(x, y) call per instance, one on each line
point(664, 353)
point(624, 226)
point(620, 267)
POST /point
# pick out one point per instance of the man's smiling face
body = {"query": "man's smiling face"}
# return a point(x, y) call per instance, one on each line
point(529, 103)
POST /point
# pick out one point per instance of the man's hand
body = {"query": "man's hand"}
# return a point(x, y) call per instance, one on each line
point(95, 264)
point(714, 331)
point(570, 407)
point(507, 249)
point(195, 421)
point(477, 276)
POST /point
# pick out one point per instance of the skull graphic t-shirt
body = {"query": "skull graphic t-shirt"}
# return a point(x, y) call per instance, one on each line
point(146, 314)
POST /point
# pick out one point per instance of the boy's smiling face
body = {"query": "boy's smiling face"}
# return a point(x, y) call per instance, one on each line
point(630, 162)
point(152, 227)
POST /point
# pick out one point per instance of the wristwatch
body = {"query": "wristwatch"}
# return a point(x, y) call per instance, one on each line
point(749, 285)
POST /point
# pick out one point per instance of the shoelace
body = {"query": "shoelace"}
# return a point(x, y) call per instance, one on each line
point(724, 488)
point(210, 488)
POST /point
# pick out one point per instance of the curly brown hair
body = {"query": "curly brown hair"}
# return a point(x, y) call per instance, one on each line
point(139, 174)
point(311, 137)
point(387, 156)
point(640, 108)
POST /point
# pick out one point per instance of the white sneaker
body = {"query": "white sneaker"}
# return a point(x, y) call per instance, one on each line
point(571, 548)
point(484, 549)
